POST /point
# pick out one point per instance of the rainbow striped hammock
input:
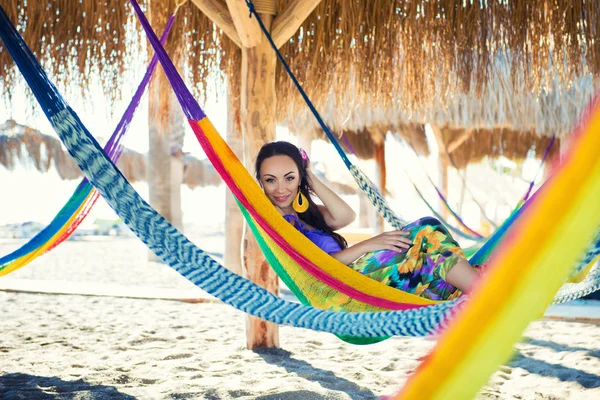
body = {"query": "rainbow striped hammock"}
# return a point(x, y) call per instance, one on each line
point(492, 320)
point(306, 270)
point(309, 272)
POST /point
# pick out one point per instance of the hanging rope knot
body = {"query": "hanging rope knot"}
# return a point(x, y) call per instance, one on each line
point(250, 8)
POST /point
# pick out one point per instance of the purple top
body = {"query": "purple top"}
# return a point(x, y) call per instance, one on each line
point(322, 239)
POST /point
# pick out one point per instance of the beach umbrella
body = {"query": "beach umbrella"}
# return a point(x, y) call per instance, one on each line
point(21, 143)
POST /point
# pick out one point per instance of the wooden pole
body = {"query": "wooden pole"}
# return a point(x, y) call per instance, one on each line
point(258, 127)
point(289, 20)
point(364, 220)
point(165, 167)
point(218, 13)
point(257, 112)
point(456, 143)
point(234, 221)
point(443, 164)
point(248, 31)
point(463, 189)
point(382, 175)
point(176, 157)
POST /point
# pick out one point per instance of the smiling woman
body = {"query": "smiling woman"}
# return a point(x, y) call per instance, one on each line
point(421, 259)
point(287, 179)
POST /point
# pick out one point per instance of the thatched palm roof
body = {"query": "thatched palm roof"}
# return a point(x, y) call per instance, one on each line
point(80, 42)
point(479, 143)
point(494, 143)
point(505, 102)
point(364, 142)
point(20, 143)
point(528, 66)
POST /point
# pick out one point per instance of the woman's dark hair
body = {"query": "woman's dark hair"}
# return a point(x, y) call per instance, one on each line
point(312, 216)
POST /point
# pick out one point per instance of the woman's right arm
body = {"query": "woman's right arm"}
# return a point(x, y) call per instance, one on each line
point(393, 240)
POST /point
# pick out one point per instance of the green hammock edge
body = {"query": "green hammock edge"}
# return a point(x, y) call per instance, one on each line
point(289, 282)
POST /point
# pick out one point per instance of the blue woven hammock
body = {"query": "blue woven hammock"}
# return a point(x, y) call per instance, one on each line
point(181, 254)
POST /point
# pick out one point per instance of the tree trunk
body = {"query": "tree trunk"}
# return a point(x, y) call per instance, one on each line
point(258, 128)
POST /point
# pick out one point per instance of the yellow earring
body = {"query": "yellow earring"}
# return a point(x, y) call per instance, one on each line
point(300, 203)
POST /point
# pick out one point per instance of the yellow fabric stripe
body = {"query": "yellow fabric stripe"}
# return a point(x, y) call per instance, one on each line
point(299, 242)
point(530, 267)
point(27, 258)
point(319, 294)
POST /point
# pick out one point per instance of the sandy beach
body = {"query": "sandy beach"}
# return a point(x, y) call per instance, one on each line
point(111, 347)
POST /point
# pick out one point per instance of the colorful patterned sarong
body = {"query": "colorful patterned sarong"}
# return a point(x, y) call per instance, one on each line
point(423, 268)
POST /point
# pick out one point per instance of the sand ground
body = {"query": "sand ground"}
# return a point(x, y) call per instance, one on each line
point(94, 347)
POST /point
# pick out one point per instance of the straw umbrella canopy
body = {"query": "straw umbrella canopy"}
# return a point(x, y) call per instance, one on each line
point(494, 143)
point(466, 146)
point(364, 142)
point(20, 143)
point(527, 66)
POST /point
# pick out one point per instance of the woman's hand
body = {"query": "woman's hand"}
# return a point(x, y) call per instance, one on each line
point(336, 212)
point(393, 240)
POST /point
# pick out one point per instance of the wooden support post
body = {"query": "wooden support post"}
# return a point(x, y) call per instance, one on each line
point(234, 221)
point(382, 175)
point(364, 220)
point(563, 146)
point(248, 30)
point(443, 164)
point(257, 113)
point(463, 189)
point(176, 157)
point(456, 143)
point(165, 121)
point(443, 185)
point(258, 127)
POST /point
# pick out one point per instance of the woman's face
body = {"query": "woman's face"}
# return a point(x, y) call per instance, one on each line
point(280, 179)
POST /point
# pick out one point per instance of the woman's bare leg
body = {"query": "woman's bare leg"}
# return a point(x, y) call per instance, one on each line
point(462, 276)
